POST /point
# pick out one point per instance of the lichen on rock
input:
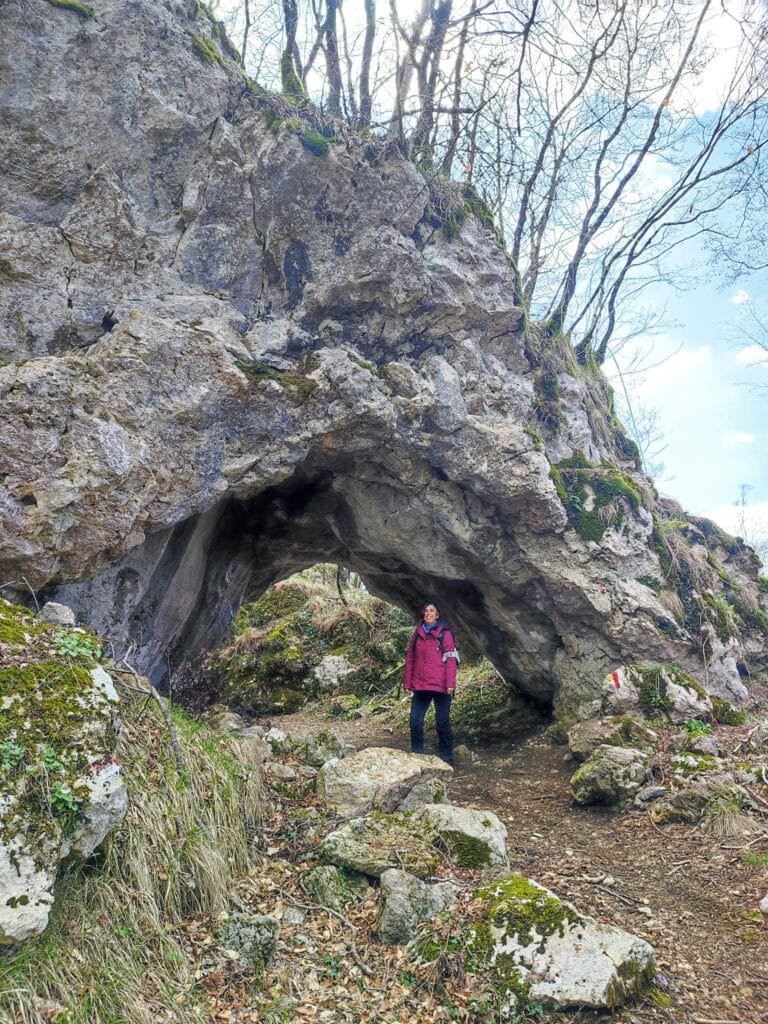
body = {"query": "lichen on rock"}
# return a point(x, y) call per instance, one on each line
point(533, 948)
point(61, 790)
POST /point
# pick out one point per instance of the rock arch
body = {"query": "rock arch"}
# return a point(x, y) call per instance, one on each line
point(226, 357)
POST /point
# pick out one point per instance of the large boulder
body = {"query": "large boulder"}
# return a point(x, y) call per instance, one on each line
point(536, 948)
point(382, 779)
point(585, 737)
point(473, 839)
point(379, 841)
point(610, 776)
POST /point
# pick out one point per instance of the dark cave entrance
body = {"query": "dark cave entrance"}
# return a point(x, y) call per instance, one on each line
point(172, 600)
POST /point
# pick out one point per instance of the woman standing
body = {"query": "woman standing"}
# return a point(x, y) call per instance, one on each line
point(430, 674)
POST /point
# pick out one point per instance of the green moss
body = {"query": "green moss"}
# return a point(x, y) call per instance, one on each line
point(82, 10)
point(692, 765)
point(363, 364)
point(593, 497)
point(750, 616)
point(536, 438)
point(272, 120)
point(651, 684)
point(18, 625)
point(315, 142)
point(721, 615)
point(207, 49)
point(46, 758)
point(762, 582)
point(725, 713)
point(517, 907)
point(651, 582)
point(290, 81)
point(466, 851)
point(300, 384)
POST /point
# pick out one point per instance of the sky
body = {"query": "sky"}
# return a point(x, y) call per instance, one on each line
point(710, 389)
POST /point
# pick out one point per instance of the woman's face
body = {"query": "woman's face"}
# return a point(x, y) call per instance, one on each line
point(430, 615)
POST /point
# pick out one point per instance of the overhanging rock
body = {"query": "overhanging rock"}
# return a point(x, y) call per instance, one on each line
point(226, 358)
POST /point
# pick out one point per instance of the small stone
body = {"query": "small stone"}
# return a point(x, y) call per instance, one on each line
point(764, 904)
point(282, 772)
point(57, 614)
point(648, 794)
point(253, 938)
point(292, 917)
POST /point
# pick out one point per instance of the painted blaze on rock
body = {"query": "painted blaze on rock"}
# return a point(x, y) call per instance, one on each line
point(534, 947)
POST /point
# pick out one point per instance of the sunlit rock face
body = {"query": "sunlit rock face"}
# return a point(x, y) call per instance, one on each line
point(225, 358)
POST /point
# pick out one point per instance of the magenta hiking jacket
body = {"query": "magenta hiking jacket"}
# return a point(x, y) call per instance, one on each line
point(431, 660)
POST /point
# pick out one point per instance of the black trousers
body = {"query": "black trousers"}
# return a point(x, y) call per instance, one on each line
point(420, 701)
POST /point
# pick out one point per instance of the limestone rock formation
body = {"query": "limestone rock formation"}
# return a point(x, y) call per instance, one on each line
point(382, 779)
point(226, 357)
point(377, 842)
point(473, 838)
point(610, 775)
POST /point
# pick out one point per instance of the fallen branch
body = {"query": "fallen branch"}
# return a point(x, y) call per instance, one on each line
point(165, 711)
point(344, 920)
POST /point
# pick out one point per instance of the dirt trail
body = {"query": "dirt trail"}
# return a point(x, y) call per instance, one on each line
point(690, 895)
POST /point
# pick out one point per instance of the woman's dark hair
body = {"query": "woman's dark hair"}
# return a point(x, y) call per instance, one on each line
point(423, 608)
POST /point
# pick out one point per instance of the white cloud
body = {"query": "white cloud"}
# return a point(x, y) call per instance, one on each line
point(736, 438)
point(751, 355)
point(741, 296)
point(679, 366)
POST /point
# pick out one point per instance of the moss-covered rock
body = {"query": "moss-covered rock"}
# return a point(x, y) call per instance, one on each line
point(534, 948)
point(656, 691)
point(282, 646)
point(622, 731)
point(610, 776)
point(472, 838)
point(380, 841)
point(60, 788)
point(594, 497)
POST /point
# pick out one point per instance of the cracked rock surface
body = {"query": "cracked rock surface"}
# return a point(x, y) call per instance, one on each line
point(224, 358)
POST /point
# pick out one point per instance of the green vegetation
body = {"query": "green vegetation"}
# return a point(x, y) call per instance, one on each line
point(46, 756)
point(78, 644)
point(315, 142)
point(465, 851)
point(82, 10)
point(451, 203)
point(279, 641)
point(291, 83)
point(651, 682)
point(536, 438)
point(754, 860)
point(594, 498)
point(299, 384)
point(725, 713)
point(695, 727)
point(207, 49)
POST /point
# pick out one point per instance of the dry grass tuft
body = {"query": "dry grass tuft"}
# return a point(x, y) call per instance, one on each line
point(726, 818)
point(671, 601)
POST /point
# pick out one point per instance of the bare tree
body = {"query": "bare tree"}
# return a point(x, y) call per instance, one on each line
point(580, 122)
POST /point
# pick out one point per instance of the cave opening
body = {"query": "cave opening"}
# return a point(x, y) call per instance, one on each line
point(171, 601)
